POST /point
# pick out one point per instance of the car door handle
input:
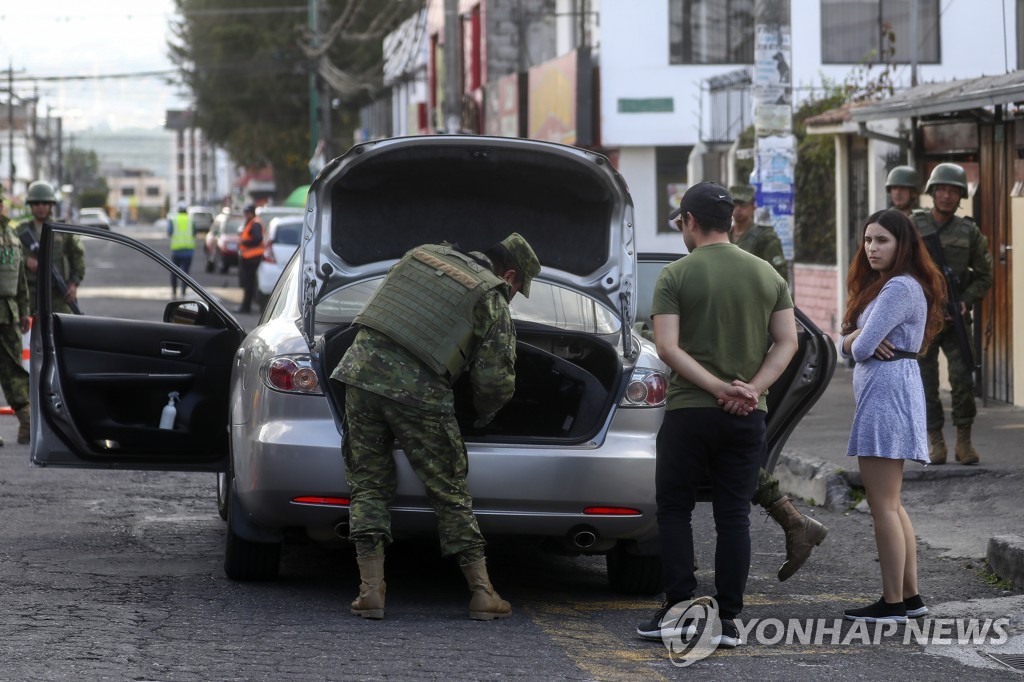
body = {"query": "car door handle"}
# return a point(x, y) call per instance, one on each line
point(174, 350)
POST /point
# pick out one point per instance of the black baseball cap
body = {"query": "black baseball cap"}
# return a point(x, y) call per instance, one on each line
point(708, 202)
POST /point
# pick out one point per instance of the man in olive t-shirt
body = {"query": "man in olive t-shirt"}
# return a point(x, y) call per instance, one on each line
point(712, 311)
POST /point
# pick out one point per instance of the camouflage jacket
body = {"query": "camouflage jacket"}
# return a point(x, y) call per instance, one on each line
point(70, 263)
point(966, 251)
point(376, 363)
point(13, 308)
point(762, 241)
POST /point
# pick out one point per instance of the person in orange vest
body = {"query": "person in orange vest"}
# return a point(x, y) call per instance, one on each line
point(250, 253)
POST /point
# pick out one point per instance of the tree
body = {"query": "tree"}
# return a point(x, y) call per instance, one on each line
point(246, 64)
point(83, 168)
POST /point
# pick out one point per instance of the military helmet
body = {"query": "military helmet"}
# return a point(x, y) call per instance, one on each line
point(40, 191)
point(948, 174)
point(903, 176)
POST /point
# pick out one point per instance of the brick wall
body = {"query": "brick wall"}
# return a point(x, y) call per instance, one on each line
point(815, 293)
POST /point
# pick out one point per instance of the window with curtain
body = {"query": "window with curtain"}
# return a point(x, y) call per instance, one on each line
point(852, 30)
point(711, 31)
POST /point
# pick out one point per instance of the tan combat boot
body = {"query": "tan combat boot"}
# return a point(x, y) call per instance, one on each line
point(486, 604)
point(370, 602)
point(936, 447)
point(965, 452)
point(23, 425)
point(802, 535)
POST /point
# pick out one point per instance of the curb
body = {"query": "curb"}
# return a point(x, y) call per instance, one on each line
point(1006, 558)
point(815, 481)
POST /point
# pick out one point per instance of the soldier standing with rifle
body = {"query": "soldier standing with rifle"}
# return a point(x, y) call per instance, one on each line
point(963, 255)
point(14, 321)
point(68, 267)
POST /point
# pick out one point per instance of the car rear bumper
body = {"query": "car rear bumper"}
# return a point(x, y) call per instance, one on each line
point(517, 490)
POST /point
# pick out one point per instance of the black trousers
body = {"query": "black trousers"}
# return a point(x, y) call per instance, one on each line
point(247, 268)
point(692, 444)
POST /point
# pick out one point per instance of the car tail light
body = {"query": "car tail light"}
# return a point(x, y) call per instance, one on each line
point(291, 374)
point(647, 388)
point(268, 252)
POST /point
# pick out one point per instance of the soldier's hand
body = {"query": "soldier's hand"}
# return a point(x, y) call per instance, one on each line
point(25, 324)
point(72, 295)
point(32, 263)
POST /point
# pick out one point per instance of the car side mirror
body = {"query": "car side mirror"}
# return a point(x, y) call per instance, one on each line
point(193, 313)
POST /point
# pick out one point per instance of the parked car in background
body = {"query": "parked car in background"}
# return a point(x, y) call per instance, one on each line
point(268, 213)
point(568, 462)
point(94, 217)
point(221, 243)
point(280, 240)
point(202, 218)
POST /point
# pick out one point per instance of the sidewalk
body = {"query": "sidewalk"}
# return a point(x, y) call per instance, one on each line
point(968, 511)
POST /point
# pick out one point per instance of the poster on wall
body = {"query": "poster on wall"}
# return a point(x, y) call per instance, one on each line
point(772, 80)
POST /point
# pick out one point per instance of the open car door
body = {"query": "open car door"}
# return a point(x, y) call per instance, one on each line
point(100, 380)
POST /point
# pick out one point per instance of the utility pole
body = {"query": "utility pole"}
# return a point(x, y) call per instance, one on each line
point(314, 94)
point(452, 67)
point(10, 122)
point(774, 143)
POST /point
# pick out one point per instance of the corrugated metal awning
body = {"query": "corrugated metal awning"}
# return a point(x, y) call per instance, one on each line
point(945, 98)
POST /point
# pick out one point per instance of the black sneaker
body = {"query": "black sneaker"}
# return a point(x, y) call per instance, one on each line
point(879, 612)
point(730, 637)
point(667, 623)
point(915, 606)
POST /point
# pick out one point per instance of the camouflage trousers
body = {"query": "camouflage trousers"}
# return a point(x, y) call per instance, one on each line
point(961, 382)
point(767, 492)
point(13, 377)
point(433, 446)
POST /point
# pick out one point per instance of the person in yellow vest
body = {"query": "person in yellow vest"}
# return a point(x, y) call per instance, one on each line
point(250, 253)
point(183, 245)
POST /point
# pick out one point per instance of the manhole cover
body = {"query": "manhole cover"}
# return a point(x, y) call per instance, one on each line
point(1013, 661)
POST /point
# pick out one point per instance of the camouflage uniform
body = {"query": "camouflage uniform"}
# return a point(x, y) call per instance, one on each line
point(967, 254)
point(70, 264)
point(393, 394)
point(14, 308)
point(762, 241)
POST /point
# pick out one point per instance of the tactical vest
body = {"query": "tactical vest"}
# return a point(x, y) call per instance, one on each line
point(181, 235)
point(10, 263)
point(955, 238)
point(426, 305)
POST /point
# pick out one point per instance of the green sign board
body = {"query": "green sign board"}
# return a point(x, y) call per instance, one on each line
point(650, 105)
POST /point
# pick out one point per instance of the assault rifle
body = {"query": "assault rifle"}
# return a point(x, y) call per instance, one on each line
point(952, 298)
point(29, 240)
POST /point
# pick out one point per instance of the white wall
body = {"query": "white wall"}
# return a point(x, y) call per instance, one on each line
point(637, 165)
point(634, 62)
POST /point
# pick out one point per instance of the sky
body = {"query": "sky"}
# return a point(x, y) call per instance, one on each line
point(64, 38)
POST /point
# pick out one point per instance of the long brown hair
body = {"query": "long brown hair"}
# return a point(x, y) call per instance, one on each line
point(912, 258)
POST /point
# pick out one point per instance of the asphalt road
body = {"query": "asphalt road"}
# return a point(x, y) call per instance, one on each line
point(118, 575)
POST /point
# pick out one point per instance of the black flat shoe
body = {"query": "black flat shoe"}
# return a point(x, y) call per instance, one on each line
point(879, 612)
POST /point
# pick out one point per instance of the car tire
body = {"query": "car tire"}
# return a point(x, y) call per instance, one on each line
point(245, 560)
point(223, 494)
point(633, 573)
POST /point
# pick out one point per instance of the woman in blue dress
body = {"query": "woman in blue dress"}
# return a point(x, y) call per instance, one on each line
point(895, 307)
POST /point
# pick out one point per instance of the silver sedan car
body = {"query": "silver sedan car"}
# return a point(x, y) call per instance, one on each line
point(569, 461)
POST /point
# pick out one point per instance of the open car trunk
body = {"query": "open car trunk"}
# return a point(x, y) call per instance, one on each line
point(566, 384)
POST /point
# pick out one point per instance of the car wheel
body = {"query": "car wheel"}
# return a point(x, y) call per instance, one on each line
point(245, 560)
point(223, 491)
point(633, 573)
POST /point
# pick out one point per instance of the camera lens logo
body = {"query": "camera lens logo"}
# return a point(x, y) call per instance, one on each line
point(680, 628)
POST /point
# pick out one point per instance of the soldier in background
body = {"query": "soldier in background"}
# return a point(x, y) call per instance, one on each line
point(760, 240)
point(70, 258)
point(14, 322)
point(965, 250)
point(398, 376)
point(903, 185)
